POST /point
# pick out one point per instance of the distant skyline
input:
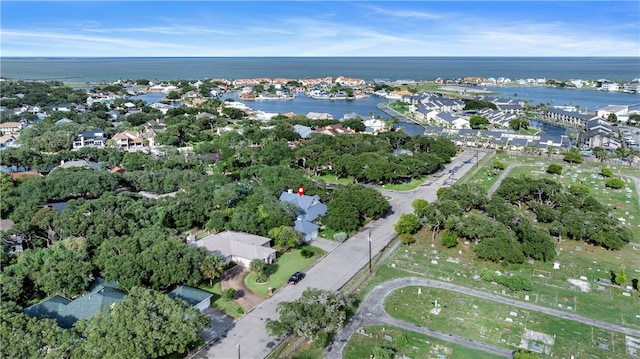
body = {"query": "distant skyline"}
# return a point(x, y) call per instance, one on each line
point(323, 28)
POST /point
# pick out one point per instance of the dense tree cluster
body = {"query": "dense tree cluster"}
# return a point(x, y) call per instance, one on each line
point(519, 221)
point(124, 221)
point(577, 214)
point(315, 315)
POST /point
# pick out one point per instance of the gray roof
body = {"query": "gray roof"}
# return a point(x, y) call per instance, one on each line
point(303, 131)
point(310, 206)
point(190, 295)
point(230, 243)
point(80, 164)
point(305, 227)
point(447, 116)
point(94, 133)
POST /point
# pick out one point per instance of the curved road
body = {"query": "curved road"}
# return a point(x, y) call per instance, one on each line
point(371, 312)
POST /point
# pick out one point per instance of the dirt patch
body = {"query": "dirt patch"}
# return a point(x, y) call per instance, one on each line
point(234, 278)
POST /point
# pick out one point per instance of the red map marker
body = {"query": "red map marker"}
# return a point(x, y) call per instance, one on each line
point(300, 190)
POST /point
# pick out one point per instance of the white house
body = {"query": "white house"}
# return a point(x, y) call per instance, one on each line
point(239, 247)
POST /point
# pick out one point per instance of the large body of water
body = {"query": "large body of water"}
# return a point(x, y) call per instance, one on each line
point(367, 68)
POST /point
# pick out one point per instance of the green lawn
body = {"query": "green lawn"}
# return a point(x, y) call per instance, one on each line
point(360, 346)
point(405, 186)
point(553, 287)
point(279, 272)
point(228, 307)
point(502, 325)
point(331, 178)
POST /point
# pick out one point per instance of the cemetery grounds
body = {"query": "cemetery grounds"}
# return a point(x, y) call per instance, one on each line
point(576, 283)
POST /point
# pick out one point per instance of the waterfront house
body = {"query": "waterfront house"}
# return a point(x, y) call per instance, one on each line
point(319, 116)
point(374, 125)
point(447, 119)
point(621, 112)
point(564, 118)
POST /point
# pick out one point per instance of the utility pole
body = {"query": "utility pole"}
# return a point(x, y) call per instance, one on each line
point(369, 238)
point(238, 350)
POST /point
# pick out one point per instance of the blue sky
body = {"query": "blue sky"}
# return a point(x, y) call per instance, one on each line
point(327, 28)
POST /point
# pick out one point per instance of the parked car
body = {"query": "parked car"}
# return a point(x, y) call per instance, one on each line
point(296, 277)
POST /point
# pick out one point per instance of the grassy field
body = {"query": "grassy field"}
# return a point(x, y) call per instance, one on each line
point(418, 346)
point(228, 307)
point(573, 287)
point(280, 271)
point(502, 325)
point(623, 203)
point(330, 178)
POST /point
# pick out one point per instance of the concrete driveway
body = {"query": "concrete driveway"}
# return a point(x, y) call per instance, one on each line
point(234, 278)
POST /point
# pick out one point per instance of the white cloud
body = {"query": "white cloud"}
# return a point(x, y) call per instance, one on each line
point(405, 14)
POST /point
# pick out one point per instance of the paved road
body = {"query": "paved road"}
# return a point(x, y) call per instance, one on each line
point(330, 273)
point(371, 312)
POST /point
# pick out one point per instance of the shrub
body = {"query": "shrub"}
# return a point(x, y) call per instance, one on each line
point(513, 282)
point(606, 172)
point(340, 237)
point(615, 183)
point(449, 240)
point(573, 157)
point(578, 189)
point(229, 294)
point(306, 253)
point(499, 165)
point(261, 278)
point(554, 169)
point(406, 238)
point(401, 340)
point(383, 353)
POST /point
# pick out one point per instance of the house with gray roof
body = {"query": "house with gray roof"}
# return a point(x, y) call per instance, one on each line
point(67, 312)
point(80, 164)
point(304, 131)
point(239, 247)
point(195, 297)
point(309, 209)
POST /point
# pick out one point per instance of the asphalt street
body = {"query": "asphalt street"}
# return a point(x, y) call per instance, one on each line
point(371, 312)
point(248, 338)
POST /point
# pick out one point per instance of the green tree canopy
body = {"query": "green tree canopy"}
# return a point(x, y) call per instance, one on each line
point(146, 324)
point(314, 315)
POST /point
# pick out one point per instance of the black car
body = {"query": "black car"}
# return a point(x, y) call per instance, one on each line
point(296, 277)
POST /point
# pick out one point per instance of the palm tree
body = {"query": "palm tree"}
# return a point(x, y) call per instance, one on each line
point(212, 268)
